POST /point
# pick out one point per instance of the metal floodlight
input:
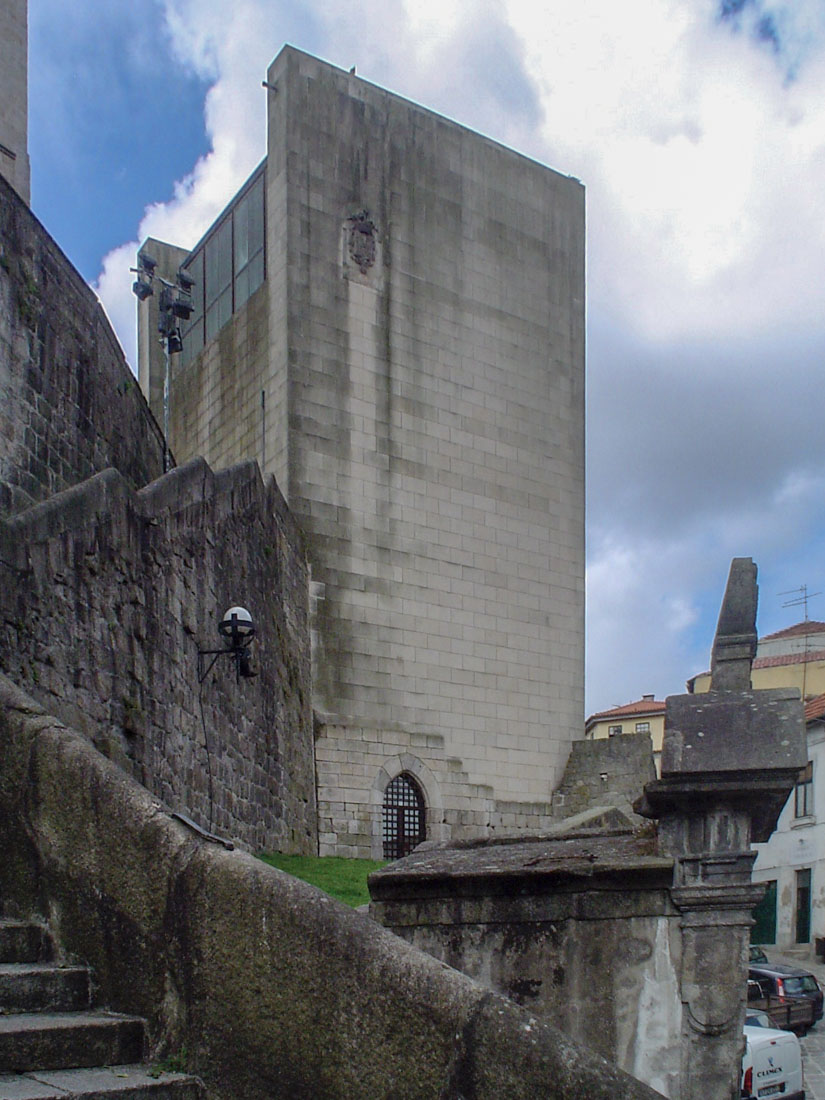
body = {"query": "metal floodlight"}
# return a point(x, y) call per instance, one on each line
point(142, 290)
point(175, 342)
point(147, 263)
point(182, 308)
point(185, 280)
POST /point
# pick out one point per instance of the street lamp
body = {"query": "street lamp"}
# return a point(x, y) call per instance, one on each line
point(237, 629)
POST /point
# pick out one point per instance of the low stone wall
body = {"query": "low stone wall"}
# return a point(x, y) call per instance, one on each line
point(107, 596)
point(273, 988)
point(611, 771)
point(579, 928)
point(69, 405)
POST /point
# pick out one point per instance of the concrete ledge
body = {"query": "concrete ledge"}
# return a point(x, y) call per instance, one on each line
point(273, 988)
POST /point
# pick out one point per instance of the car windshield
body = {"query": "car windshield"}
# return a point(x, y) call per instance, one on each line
point(759, 1019)
point(805, 984)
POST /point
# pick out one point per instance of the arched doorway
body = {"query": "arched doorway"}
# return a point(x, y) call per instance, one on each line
point(404, 816)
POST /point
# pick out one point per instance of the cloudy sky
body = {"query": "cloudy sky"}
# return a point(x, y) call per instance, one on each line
point(698, 128)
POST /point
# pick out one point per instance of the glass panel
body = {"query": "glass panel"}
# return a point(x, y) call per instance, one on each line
point(249, 279)
point(241, 287)
point(256, 271)
point(256, 215)
point(241, 215)
point(192, 330)
point(218, 251)
point(218, 314)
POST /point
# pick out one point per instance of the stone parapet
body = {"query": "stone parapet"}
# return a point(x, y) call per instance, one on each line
point(272, 988)
point(108, 596)
point(69, 405)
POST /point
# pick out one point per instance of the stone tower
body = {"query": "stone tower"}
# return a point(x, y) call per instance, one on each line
point(14, 100)
point(390, 318)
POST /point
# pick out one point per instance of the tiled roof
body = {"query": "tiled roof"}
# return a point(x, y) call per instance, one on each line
point(640, 706)
point(815, 708)
point(800, 658)
point(797, 630)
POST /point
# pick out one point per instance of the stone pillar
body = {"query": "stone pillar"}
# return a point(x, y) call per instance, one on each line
point(730, 759)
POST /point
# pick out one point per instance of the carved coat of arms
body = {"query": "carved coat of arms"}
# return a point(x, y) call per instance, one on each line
point(361, 233)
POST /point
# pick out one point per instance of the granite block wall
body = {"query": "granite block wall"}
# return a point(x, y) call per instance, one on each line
point(14, 123)
point(107, 597)
point(420, 342)
point(607, 772)
point(69, 405)
point(435, 309)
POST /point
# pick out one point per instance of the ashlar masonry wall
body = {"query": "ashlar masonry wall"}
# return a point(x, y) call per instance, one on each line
point(419, 344)
point(69, 405)
point(107, 596)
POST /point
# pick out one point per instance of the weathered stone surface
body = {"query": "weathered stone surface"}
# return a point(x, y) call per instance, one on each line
point(51, 1041)
point(113, 595)
point(580, 929)
point(123, 1082)
point(275, 989)
point(612, 771)
point(734, 646)
point(69, 405)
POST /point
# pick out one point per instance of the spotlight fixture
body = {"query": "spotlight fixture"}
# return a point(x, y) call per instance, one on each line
point(237, 629)
point(142, 290)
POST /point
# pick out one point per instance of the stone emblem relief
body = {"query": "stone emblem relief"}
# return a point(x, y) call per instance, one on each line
point(361, 237)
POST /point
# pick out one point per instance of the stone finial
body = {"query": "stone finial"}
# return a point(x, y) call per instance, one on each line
point(734, 646)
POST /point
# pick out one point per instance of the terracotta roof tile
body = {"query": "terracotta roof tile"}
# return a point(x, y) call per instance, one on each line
point(797, 630)
point(815, 708)
point(640, 706)
point(800, 658)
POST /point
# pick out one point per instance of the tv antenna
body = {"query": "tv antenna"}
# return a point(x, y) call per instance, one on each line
point(801, 596)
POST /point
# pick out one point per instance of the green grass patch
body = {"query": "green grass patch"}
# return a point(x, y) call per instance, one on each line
point(345, 879)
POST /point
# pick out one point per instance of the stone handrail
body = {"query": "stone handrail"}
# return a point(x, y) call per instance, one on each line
point(272, 988)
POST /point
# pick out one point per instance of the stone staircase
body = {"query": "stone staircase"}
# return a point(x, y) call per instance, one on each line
point(53, 1044)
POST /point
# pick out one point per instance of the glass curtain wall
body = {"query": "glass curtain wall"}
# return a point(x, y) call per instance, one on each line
point(228, 266)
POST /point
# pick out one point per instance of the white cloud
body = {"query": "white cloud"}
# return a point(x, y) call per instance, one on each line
point(703, 163)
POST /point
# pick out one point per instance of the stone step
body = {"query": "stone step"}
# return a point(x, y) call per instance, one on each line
point(24, 941)
point(57, 1040)
point(36, 987)
point(122, 1082)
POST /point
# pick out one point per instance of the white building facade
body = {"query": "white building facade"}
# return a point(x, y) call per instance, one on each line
point(792, 863)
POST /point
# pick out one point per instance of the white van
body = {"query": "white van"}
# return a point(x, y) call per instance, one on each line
point(772, 1063)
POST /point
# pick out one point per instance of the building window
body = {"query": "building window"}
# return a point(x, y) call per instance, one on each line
point(643, 727)
point(227, 267)
point(804, 795)
point(613, 730)
point(404, 817)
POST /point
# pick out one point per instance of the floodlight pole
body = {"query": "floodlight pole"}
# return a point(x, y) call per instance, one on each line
point(175, 302)
point(165, 344)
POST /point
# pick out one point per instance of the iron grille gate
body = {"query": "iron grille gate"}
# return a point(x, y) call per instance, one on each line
point(405, 823)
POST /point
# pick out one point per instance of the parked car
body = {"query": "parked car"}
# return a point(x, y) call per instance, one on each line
point(788, 1013)
point(787, 983)
point(772, 1062)
point(757, 955)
